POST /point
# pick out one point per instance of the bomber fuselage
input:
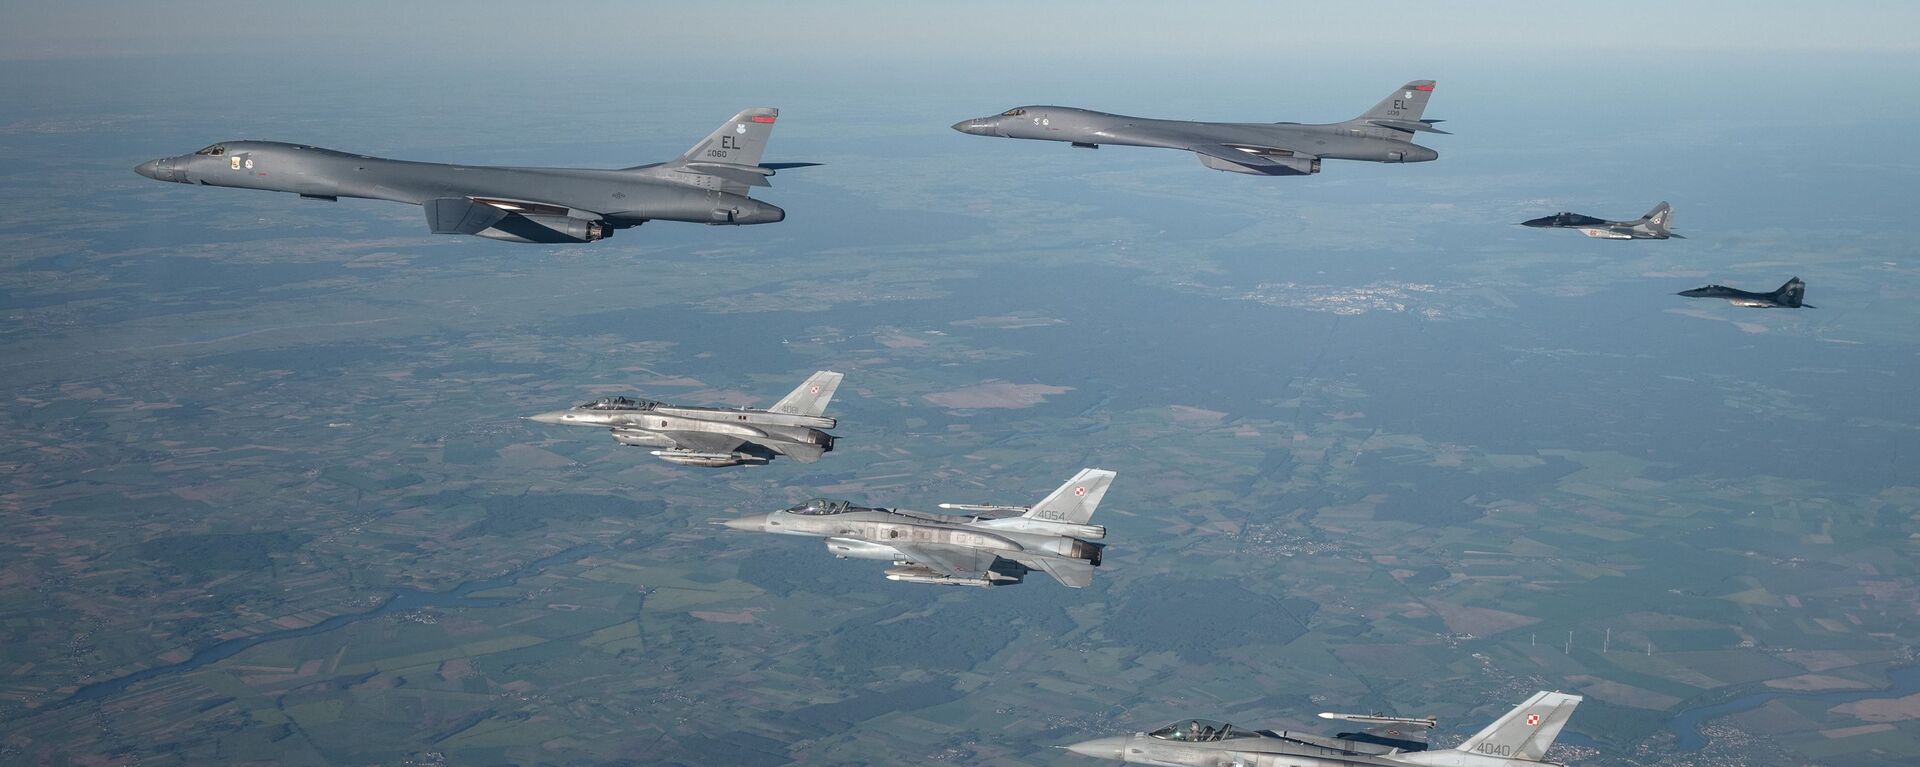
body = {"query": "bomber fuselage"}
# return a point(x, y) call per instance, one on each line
point(1335, 141)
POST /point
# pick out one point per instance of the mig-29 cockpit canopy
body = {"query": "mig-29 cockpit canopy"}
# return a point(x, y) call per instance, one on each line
point(1199, 731)
point(825, 506)
point(620, 403)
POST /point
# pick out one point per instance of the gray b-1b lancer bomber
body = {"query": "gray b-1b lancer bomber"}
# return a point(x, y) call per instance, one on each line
point(1656, 225)
point(1519, 739)
point(713, 436)
point(1790, 295)
point(1383, 134)
point(707, 185)
point(991, 546)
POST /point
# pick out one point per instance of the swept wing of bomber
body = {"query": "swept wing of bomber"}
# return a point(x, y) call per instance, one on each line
point(1383, 134)
point(1518, 739)
point(1790, 295)
point(708, 185)
point(1656, 225)
point(984, 546)
point(714, 436)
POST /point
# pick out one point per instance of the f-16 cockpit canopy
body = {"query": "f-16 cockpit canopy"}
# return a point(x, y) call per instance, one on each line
point(620, 403)
point(825, 506)
point(1199, 731)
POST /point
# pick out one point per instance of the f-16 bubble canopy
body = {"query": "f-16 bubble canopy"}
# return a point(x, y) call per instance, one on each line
point(1199, 731)
point(620, 403)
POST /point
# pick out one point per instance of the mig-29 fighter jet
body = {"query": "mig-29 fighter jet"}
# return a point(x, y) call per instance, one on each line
point(1383, 134)
point(1791, 295)
point(707, 185)
point(1519, 739)
point(713, 436)
point(1653, 226)
point(990, 546)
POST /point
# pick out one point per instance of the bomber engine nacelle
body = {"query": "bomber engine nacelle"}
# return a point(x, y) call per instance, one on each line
point(550, 230)
point(1289, 166)
point(853, 548)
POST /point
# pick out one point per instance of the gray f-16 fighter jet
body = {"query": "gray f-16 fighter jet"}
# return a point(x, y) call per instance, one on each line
point(707, 185)
point(713, 436)
point(1383, 134)
point(990, 546)
point(1791, 295)
point(1653, 226)
point(1519, 739)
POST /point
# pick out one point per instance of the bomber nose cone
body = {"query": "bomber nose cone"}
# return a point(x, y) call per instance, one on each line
point(1112, 749)
point(974, 127)
point(150, 169)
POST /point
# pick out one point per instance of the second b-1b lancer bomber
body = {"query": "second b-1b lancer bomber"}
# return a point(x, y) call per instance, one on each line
point(990, 546)
point(707, 185)
point(1519, 739)
point(1656, 225)
point(1383, 134)
point(714, 436)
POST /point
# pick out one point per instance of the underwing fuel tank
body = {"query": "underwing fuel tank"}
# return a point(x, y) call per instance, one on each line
point(913, 574)
point(710, 460)
point(853, 548)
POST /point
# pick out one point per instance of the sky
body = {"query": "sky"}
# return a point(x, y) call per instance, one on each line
point(969, 33)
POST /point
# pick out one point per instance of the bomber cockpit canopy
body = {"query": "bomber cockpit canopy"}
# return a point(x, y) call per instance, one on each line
point(1199, 731)
point(213, 151)
point(620, 403)
point(1015, 112)
point(825, 506)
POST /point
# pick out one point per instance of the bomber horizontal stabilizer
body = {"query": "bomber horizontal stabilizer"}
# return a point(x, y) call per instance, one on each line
point(1410, 126)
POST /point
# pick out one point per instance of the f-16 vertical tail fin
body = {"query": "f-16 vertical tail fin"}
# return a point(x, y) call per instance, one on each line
point(1527, 731)
point(739, 141)
point(1403, 105)
point(1793, 294)
point(810, 398)
point(1073, 503)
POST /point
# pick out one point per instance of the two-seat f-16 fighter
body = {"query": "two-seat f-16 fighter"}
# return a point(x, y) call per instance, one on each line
point(990, 546)
point(1383, 134)
point(713, 436)
point(707, 185)
point(1519, 739)
point(1656, 225)
point(1790, 295)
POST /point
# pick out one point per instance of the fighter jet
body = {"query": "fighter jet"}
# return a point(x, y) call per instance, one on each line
point(1790, 295)
point(1383, 134)
point(989, 546)
point(1653, 226)
point(712, 436)
point(1522, 737)
point(707, 185)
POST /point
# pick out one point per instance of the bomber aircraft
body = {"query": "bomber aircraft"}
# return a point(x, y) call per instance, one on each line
point(1519, 739)
point(1383, 134)
point(1656, 225)
point(1790, 295)
point(990, 546)
point(714, 436)
point(707, 185)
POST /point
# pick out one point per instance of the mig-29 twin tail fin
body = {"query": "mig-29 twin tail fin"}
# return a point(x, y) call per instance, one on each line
point(1522, 736)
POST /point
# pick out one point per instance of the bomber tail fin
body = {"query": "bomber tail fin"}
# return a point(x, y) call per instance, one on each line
point(1527, 731)
point(739, 141)
point(810, 398)
point(1793, 293)
point(1073, 503)
point(1404, 105)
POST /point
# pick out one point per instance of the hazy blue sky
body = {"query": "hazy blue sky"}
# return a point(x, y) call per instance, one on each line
point(969, 31)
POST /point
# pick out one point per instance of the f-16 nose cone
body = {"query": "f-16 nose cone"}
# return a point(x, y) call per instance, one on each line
point(752, 524)
point(555, 417)
point(150, 169)
point(1112, 749)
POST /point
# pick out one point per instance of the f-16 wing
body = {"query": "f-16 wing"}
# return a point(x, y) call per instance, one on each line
point(952, 561)
point(705, 442)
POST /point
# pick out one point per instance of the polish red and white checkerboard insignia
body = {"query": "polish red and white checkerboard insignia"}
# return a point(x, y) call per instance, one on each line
point(815, 389)
point(1080, 491)
point(1533, 720)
